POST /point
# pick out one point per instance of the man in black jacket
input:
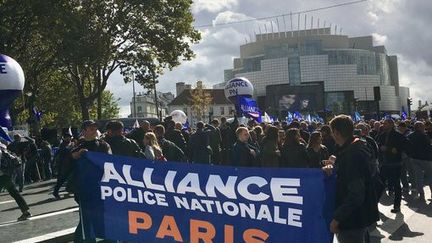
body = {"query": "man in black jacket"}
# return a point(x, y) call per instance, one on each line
point(421, 154)
point(391, 145)
point(90, 143)
point(171, 151)
point(138, 134)
point(120, 145)
point(199, 145)
point(8, 162)
point(242, 154)
point(215, 142)
point(63, 160)
point(356, 204)
point(174, 135)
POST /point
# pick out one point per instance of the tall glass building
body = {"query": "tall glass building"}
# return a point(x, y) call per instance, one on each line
point(315, 70)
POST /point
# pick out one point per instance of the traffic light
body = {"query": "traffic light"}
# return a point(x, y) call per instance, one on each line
point(409, 102)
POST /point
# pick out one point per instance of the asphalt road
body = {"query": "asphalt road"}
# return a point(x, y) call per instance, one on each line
point(413, 224)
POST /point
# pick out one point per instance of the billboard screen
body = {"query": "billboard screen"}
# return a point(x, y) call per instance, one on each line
point(283, 98)
point(298, 102)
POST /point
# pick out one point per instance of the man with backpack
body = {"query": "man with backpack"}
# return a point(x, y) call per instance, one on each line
point(8, 164)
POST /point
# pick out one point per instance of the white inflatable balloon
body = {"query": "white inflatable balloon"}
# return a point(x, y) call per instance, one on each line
point(11, 74)
point(238, 87)
point(179, 116)
point(11, 86)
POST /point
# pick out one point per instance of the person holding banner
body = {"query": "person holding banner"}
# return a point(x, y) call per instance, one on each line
point(317, 152)
point(356, 205)
point(90, 143)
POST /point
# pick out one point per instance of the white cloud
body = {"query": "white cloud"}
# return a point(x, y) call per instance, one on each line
point(379, 39)
point(373, 17)
point(212, 6)
point(228, 17)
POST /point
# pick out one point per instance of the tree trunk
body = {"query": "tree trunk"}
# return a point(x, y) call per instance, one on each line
point(84, 110)
point(99, 106)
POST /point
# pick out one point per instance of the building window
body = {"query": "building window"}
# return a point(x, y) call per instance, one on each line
point(222, 110)
point(139, 109)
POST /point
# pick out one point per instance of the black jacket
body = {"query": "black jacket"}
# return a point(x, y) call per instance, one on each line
point(171, 151)
point(138, 136)
point(96, 145)
point(420, 146)
point(241, 155)
point(176, 137)
point(120, 145)
point(315, 158)
point(294, 156)
point(199, 146)
point(373, 146)
point(395, 143)
point(356, 204)
point(330, 144)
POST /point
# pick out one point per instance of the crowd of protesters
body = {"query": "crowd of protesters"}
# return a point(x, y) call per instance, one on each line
point(369, 157)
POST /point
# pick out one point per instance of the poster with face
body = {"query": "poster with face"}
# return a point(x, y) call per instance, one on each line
point(297, 102)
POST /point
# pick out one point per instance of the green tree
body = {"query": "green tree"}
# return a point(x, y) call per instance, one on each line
point(24, 26)
point(88, 40)
point(139, 37)
point(200, 100)
point(109, 105)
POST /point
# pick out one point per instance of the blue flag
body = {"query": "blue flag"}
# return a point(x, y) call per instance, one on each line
point(249, 107)
point(4, 135)
point(356, 117)
point(403, 116)
point(186, 125)
point(289, 117)
point(308, 118)
point(37, 114)
point(297, 115)
point(130, 199)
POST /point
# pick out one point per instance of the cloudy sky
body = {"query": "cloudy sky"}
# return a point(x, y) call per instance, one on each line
point(403, 26)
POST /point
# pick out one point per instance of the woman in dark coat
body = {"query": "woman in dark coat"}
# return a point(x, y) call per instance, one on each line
point(294, 153)
point(270, 153)
point(316, 151)
point(327, 139)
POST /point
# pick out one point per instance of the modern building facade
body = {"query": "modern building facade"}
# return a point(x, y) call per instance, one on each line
point(315, 70)
point(145, 105)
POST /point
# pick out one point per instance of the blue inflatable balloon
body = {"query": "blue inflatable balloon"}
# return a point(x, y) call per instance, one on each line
point(11, 86)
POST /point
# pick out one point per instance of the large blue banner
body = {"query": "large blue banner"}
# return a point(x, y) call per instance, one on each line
point(137, 200)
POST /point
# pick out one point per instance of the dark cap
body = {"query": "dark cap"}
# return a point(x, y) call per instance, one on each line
point(88, 123)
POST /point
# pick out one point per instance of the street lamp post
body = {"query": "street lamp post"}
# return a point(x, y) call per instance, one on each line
point(134, 96)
